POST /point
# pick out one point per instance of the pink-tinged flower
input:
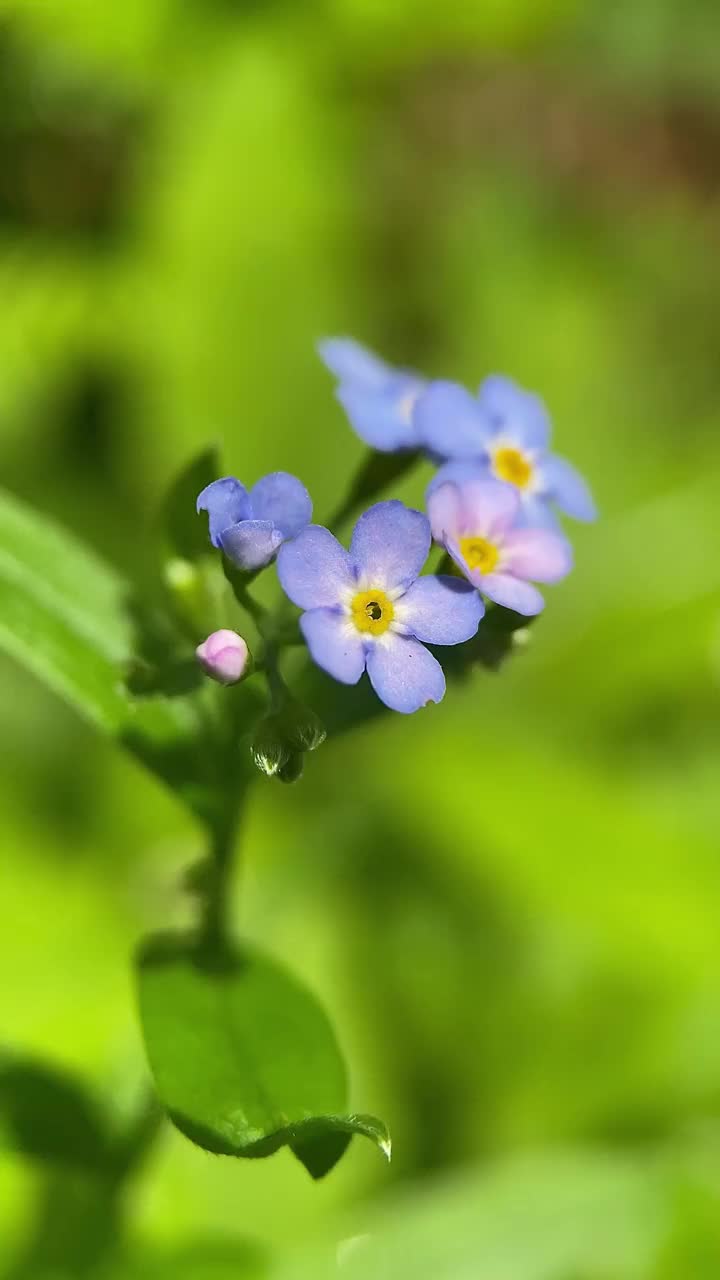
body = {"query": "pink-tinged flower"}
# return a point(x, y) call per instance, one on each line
point(476, 521)
point(224, 656)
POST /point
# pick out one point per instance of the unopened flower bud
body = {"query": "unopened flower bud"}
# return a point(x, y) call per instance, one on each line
point(292, 770)
point(283, 737)
point(270, 748)
point(304, 729)
point(224, 656)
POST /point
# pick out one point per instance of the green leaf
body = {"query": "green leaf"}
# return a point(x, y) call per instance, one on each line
point(245, 1060)
point(47, 1115)
point(500, 634)
point(186, 531)
point(319, 1149)
point(66, 616)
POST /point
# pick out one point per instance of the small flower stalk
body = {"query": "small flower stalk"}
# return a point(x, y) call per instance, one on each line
point(378, 607)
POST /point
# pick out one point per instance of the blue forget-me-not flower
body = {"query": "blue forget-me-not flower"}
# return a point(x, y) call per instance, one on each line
point(378, 399)
point(504, 432)
point(476, 522)
point(368, 610)
point(249, 527)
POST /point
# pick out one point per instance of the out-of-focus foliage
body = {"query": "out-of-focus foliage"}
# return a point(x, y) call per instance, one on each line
point(531, 1218)
point(509, 904)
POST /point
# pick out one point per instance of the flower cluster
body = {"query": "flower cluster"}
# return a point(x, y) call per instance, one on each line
point(491, 508)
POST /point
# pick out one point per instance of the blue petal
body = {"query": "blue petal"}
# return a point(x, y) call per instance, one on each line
point(459, 473)
point(512, 593)
point(536, 512)
point(390, 545)
point(564, 485)
point(440, 610)
point(226, 502)
point(314, 570)
point(351, 362)
point(383, 419)
point(404, 675)
point(283, 500)
point(251, 543)
point(515, 413)
point(450, 422)
point(334, 644)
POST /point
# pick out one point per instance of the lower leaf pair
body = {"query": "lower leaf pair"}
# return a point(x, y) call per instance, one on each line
point(244, 1059)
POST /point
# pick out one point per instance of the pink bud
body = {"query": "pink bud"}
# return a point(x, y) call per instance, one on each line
point(224, 656)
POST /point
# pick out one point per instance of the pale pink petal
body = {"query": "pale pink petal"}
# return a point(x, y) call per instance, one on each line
point(537, 554)
point(444, 508)
point(488, 507)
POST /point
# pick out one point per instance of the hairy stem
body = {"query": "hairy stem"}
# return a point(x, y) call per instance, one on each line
point(215, 916)
point(273, 628)
point(257, 611)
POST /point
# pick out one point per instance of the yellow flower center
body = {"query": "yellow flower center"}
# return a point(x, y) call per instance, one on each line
point(479, 553)
point(511, 464)
point(372, 611)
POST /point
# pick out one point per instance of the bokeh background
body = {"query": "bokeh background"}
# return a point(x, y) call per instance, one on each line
point(510, 905)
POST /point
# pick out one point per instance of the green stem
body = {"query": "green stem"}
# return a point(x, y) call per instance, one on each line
point(273, 630)
point(340, 514)
point(214, 924)
point(376, 472)
point(257, 611)
point(276, 684)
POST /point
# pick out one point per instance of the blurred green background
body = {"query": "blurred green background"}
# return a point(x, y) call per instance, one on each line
point(510, 905)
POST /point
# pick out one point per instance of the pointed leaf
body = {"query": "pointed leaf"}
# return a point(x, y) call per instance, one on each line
point(186, 531)
point(245, 1060)
point(378, 471)
point(65, 616)
point(319, 1152)
point(375, 472)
